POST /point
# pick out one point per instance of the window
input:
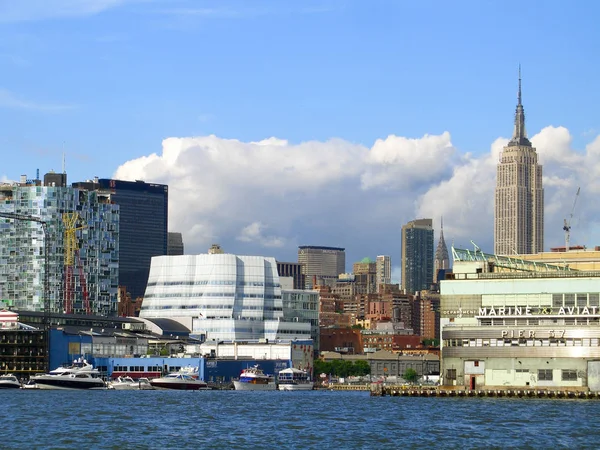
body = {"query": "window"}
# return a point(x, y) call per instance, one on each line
point(476, 363)
point(545, 374)
point(451, 374)
point(557, 300)
point(569, 299)
point(569, 375)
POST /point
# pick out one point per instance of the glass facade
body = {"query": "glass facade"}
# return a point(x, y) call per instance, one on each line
point(94, 259)
point(143, 227)
point(417, 255)
point(229, 297)
point(303, 306)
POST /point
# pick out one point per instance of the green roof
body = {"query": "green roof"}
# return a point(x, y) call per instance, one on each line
point(367, 260)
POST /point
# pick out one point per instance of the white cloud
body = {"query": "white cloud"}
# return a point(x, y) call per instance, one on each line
point(267, 197)
point(398, 162)
point(11, 101)
point(255, 233)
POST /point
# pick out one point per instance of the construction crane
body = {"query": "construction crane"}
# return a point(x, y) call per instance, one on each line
point(567, 225)
point(71, 250)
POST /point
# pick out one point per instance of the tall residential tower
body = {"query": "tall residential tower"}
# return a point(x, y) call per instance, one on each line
point(519, 205)
point(417, 255)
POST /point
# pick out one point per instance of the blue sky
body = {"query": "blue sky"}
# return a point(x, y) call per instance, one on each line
point(106, 81)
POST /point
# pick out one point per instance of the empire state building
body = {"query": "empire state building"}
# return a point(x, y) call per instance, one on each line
point(519, 203)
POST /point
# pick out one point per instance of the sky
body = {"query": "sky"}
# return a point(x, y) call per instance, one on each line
point(317, 122)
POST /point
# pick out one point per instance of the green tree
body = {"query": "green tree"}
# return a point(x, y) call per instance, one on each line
point(361, 368)
point(320, 367)
point(410, 375)
point(431, 342)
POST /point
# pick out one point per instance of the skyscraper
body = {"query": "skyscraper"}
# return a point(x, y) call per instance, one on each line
point(321, 262)
point(143, 227)
point(174, 244)
point(83, 257)
point(519, 203)
point(417, 255)
point(384, 270)
point(442, 260)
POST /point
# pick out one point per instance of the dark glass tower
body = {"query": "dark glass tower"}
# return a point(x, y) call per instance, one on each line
point(143, 227)
point(417, 255)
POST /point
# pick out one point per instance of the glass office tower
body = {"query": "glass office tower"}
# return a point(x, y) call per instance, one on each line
point(143, 227)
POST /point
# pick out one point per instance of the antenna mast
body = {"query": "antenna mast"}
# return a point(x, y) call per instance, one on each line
point(567, 225)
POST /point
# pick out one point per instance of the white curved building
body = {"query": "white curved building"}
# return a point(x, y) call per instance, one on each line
point(228, 297)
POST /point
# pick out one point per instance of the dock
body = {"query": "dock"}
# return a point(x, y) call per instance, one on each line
point(379, 390)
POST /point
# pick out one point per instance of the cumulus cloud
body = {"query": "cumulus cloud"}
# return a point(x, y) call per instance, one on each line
point(270, 196)
point(399, 162)
point(255, 233)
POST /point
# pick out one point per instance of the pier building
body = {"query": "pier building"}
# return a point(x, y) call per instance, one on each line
point(510, 322)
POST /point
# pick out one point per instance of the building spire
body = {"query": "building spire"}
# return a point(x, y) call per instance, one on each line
point(519, 97)
point(519, 134)
point(442, 259)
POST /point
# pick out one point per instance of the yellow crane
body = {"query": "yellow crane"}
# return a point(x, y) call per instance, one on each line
point(70, 239)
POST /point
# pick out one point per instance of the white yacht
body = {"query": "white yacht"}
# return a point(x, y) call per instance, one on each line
point(75, 377)
point(254, 379)
point(294, 380)
point(129, 384)
point(179, 381)
point(9, 381)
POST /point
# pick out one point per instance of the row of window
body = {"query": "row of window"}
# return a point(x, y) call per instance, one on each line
point(543, 374)
point(219, 306)
point(523, 342)
point(213, 294)
point(136, 369)
point(581, 299)
point(531, 321)
point(214, 283)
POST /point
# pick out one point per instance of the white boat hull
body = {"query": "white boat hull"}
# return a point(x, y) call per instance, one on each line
point(241, 386)
point(296, 387)
point(130, 386)
point(68, 388)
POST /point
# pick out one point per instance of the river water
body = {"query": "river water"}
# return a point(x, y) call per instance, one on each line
point(288, 420)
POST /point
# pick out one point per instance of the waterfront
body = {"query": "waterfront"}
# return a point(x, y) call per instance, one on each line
point(295, 420)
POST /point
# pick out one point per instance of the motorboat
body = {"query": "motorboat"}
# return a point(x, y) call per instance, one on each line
point(74, 377)
point(9, 381)
point(30, 385)
point(181, 381)
point(293, 379)
point(128, 383)
point(254, 379)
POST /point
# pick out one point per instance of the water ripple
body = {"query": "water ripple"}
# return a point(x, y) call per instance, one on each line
point(291, 420)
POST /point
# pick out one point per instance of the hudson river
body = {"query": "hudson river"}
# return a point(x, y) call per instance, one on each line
point(294, 420)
